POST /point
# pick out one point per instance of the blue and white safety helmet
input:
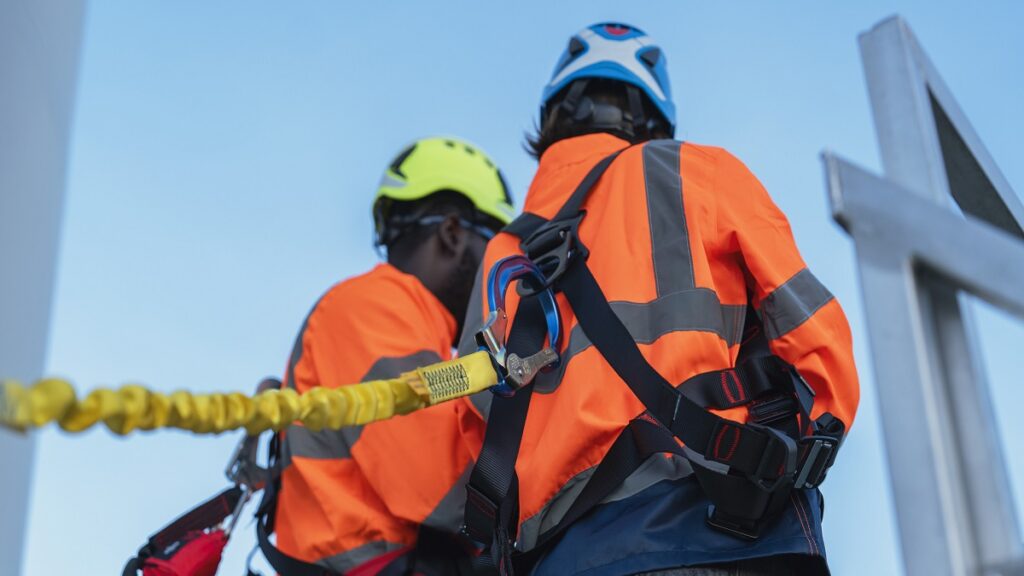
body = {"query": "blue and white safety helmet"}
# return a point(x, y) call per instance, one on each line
point(616, 52)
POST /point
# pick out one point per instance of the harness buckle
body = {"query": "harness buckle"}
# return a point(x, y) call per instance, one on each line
point(552, 247)
point(768, 476)
point(773, 408)
point(820, 455)
point(481, 516)
point(742, 528)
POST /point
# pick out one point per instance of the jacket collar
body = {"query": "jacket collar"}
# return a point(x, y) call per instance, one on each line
point(560, 158)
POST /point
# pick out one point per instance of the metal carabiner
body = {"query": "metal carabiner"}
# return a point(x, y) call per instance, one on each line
point(516, 371)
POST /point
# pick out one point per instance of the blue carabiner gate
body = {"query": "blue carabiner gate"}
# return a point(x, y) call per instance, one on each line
point(515, 371)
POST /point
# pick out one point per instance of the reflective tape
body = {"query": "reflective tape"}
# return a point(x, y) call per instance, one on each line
point(696, 310)
point(655, 469)
point(349, 559)
point(791, 304)
point(673, 263)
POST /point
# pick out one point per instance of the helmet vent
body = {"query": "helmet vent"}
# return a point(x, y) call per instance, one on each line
point(651, 57)
point(396, 164)
point(576, 46)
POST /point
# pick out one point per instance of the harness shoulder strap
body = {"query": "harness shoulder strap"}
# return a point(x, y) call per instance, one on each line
point(492, 493)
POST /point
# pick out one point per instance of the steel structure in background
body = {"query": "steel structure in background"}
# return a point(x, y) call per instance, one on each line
point(39, 47)
point(917, 255)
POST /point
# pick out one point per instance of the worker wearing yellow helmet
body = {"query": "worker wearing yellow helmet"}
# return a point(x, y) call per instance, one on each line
point(359, 500)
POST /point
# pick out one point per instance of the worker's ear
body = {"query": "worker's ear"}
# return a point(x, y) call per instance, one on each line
point(451, 236)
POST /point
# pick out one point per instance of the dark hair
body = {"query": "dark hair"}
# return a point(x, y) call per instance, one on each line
point(556, 124)
point(400, 223)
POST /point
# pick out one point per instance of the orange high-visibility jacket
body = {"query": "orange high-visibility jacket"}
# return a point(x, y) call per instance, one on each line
point(682, 238)
point(352, 495)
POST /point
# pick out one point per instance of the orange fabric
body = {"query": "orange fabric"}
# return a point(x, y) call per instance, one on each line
point(741, 248)
point(398, 470)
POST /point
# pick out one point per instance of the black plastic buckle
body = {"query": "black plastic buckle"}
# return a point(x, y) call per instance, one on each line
point(552, 247)
point(748, 530)
point(773, 409)
point(820, 455)
point(481, 517)
point(767, 476)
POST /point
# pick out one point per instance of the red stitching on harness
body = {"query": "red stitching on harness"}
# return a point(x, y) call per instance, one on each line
point(735, 443)
point(728, 393)
point(718, 443)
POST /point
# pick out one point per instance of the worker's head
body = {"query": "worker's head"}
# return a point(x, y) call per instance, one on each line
point(438, 204)
point(611, 78)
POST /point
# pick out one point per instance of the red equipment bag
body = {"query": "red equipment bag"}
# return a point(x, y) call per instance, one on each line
point(192, 544)
point(199, 555)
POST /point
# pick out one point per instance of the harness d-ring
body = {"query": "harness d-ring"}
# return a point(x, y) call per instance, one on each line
point(515, 371)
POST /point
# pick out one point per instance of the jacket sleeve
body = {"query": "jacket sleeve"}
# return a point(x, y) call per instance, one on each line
point(802, 320)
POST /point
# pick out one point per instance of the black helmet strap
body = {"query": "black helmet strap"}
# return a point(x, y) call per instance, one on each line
point(632, 123)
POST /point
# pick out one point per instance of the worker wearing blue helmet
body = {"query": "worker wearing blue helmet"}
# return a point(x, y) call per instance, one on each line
point(691, 320)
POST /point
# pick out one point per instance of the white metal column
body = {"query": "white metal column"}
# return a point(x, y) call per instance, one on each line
point(39, 48)
point(916, 255)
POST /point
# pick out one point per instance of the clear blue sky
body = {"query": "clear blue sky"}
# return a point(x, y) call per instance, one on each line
point(225, 154)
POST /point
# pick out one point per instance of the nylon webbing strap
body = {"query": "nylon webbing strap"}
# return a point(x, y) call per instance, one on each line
point(737, 386)
point(524, 225)
point(492, 494)
point(741, 447)
point(575, 202)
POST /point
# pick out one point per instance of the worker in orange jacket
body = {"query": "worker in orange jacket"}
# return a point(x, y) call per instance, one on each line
point(357, 500)
point(704, 377)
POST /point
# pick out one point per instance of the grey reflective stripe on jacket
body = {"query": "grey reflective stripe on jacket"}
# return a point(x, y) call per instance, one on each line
point(326, 444)
point(695, 310)
point(679, 307)
point(793, 303)
point(350, 559)
point(670, 238)
point(652, 471)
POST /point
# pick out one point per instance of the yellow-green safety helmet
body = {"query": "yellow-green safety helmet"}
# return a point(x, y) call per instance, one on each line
point(442, 163)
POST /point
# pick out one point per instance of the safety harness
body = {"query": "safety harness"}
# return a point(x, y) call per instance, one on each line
point(747, 471)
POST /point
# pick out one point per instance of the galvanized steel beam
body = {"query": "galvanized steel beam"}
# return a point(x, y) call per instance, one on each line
point(916, 257)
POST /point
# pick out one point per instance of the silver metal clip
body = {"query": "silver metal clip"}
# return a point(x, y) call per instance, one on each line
point(522, 371)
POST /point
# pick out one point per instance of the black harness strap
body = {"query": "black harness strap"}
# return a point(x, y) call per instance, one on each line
point(492, 493)
point(492, 504)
